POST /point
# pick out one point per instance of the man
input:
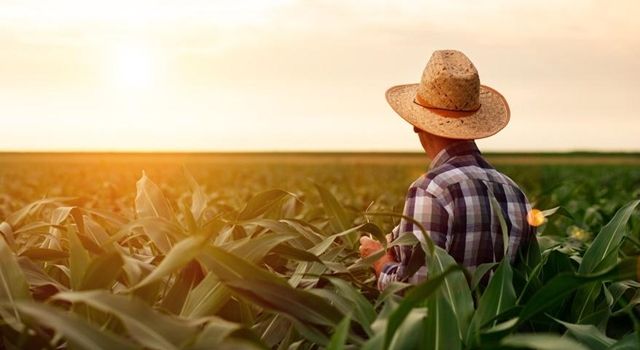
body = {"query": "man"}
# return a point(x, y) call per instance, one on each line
point(449, 109)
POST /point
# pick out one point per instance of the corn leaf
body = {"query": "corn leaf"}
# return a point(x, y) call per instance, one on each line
point(218, 332)
point(441, 325)
point(260, 203)
point(339, 219)
point(541, 341)
point(189, 276)
point(480, 271)
point(44, 254)
point(561, 286)
point(601, 255)
point(102, 272)
point(79, 332)
point(150, 202)
point(455, 290)
point(411, 333)
point(13, 285)
point(78, 258)
point(628, 342)
point(362, 309)
point(206, 298)
point(339, 338)
point(198, 197)
point(414, 297)
point(15, 219)
point(289, 252)
point(147, 326)
point(588, 335)
point(95, 231)
point(497, 298)
point(181, 253)
point(270, 291)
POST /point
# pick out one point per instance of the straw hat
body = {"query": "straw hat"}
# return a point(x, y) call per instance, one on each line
point(449, 101)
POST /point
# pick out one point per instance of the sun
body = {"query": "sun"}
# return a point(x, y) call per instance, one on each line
point(133, 66)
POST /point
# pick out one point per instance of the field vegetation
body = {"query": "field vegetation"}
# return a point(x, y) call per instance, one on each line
point(197, 252)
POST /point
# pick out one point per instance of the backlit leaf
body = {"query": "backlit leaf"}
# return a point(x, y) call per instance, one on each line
point(150, 202)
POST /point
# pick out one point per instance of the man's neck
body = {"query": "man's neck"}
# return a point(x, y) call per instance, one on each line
point(433, 144)
point(432, 152)
point(437, 145)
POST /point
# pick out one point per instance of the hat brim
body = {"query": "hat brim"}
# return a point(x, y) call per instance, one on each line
point(492, 116)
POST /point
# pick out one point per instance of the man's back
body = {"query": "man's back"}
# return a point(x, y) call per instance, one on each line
point(448, 109)
point(453, 202)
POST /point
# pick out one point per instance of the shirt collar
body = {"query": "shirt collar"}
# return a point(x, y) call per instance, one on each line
point(454, 149)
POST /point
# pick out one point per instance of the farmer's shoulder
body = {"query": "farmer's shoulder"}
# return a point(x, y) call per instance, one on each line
point(464, 172)
point(457, 170)
point(436, 181)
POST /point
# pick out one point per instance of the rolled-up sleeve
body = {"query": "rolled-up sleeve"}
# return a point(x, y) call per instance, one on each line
point(431, 214)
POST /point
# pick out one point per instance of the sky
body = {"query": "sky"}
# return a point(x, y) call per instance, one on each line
point(307, 75)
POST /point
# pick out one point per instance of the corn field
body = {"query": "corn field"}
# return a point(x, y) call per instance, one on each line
point(194, 266)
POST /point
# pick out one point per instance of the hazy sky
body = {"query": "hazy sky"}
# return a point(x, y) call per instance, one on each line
point(307, 74)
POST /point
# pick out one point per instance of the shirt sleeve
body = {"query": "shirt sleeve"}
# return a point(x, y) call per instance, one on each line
point(430, 213)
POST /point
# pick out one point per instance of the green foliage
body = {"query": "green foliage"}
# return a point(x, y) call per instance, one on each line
point(202, 269)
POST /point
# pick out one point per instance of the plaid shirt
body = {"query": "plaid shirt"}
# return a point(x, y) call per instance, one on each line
point(452, 202)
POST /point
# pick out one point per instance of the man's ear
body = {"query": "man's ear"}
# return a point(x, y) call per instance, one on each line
point(423, 136)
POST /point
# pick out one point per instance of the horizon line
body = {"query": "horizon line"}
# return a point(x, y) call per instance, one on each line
point(295, 152)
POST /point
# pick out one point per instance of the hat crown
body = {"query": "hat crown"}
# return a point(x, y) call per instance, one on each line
point(449, 81)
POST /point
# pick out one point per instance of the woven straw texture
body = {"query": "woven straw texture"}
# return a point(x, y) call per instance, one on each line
point(449, 101)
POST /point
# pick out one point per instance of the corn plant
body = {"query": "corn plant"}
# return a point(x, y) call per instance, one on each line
point(282, 271)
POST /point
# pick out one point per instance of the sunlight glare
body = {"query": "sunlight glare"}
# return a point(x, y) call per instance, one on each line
point(133, 66)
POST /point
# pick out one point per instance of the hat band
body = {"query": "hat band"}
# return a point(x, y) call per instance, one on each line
point(423, 103)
